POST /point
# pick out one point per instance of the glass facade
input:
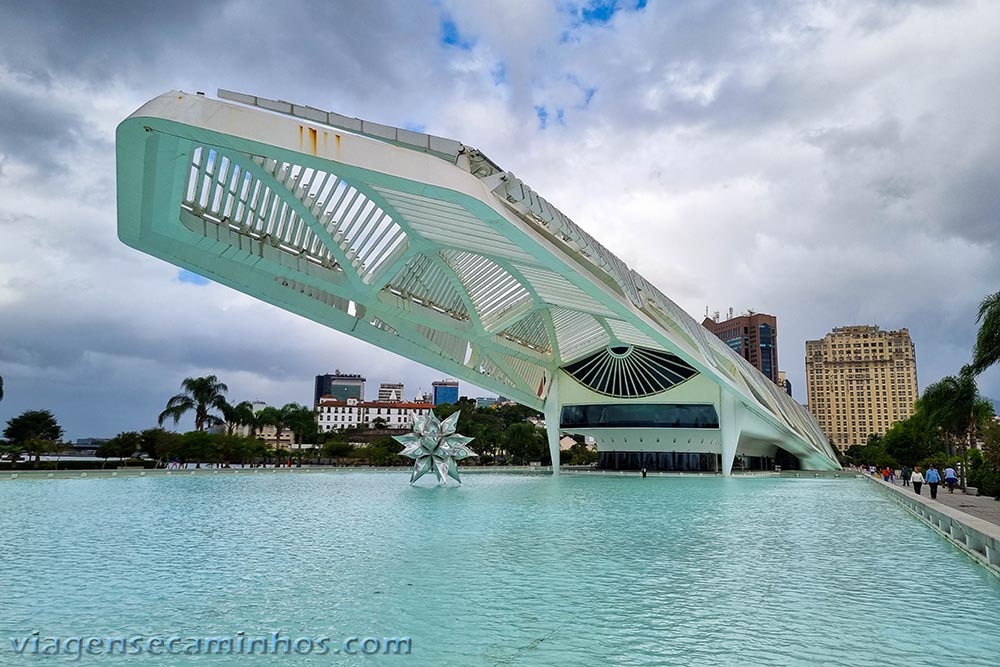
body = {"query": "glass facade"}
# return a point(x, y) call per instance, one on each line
point(692, 461)
point(445, 393)
point(640, 415)
point(765, 334)
point(659, 461)
point(340, 387)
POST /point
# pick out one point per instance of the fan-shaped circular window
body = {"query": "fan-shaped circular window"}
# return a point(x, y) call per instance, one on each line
point(628, 371)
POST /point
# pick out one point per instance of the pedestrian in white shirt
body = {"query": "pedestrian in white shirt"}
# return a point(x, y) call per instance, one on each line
point(917, 480)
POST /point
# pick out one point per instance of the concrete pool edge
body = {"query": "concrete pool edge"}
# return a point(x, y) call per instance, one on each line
point(98, 473)
point(977, 538)
point(164, 472)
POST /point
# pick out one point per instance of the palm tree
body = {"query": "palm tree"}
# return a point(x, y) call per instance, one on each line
point(241, 414)
point(302, 421)
point(276, 417)
point(987, 349)
point(954, 406)
point(291, 416)
point(201, 395)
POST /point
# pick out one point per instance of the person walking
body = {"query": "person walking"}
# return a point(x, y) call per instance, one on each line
point(933, 478)
point(918, 480)
point(950, 478)
point(905, 475)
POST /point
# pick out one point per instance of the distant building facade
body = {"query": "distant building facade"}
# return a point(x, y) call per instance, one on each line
point(753, 336)
point(269, 434)
point(784, 382)
point(266, 432)
point(860, 380)
point(445, 391)
point(390, 392)
point(341, 386)
point(336, 415)
point(486, 401)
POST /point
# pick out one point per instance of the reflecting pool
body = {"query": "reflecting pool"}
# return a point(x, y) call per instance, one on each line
point(505, 570)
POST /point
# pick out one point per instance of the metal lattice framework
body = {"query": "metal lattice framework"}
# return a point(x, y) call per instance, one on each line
point(420, 245)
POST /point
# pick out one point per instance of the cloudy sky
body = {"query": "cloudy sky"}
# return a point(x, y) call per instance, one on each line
point(828, 162)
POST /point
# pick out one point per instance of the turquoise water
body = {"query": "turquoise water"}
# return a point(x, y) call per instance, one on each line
point(506, 570)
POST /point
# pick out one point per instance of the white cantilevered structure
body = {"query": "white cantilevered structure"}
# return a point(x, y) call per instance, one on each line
point(425, 247)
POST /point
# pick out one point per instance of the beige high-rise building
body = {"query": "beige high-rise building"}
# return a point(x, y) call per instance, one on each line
point(860, 380)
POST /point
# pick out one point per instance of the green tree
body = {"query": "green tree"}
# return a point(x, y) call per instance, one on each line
point(987, 473)
point(914, 439)
point(290, 416)
point(13, 451)
point(337, 448)
point(126, 444)
point(238, 415)
point(581, 455)
point(525, 443)
point(302, 422)
point(159, 444)
point(516, 413)
point(32, 424)
point(38, 446)
point(198, 446)
point(122, 446)
point(987, 349)
point(954, 406)
point(384, 452)
point(200, 395)
point(105, 450)
point(35, 431)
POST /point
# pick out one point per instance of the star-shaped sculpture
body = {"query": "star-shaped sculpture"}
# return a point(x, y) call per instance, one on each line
point(434, 445)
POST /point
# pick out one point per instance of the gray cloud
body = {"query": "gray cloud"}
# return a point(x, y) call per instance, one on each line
point(831, 163)
point(35, 132)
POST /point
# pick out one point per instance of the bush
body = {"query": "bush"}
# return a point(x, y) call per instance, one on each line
point(71, 464)
point(983, 476)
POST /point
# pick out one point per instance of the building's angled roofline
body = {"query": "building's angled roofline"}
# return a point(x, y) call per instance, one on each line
point(426, 187)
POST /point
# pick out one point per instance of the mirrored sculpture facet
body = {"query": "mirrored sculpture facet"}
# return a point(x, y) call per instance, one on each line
point(434, 445)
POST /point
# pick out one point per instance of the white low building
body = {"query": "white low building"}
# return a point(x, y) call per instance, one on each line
point(336, 415)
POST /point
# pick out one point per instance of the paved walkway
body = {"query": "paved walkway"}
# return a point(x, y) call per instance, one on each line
point(982, 507)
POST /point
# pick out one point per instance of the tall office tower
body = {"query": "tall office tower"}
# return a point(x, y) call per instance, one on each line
point(341, 386)
point(860, 381)
point(390, 392)
point(445, 391)
point(754, 336)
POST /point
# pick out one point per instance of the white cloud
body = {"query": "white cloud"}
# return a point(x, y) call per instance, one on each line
point(830, 163)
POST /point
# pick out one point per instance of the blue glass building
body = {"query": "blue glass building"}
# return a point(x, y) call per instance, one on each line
point(445, 391)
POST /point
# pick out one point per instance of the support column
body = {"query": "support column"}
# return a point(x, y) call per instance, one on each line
point(552, 414)
point(730, 423)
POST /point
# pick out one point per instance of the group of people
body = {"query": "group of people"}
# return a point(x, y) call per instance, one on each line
point(915, 478)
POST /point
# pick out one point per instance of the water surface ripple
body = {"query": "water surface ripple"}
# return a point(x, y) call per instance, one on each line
point(506, 570)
